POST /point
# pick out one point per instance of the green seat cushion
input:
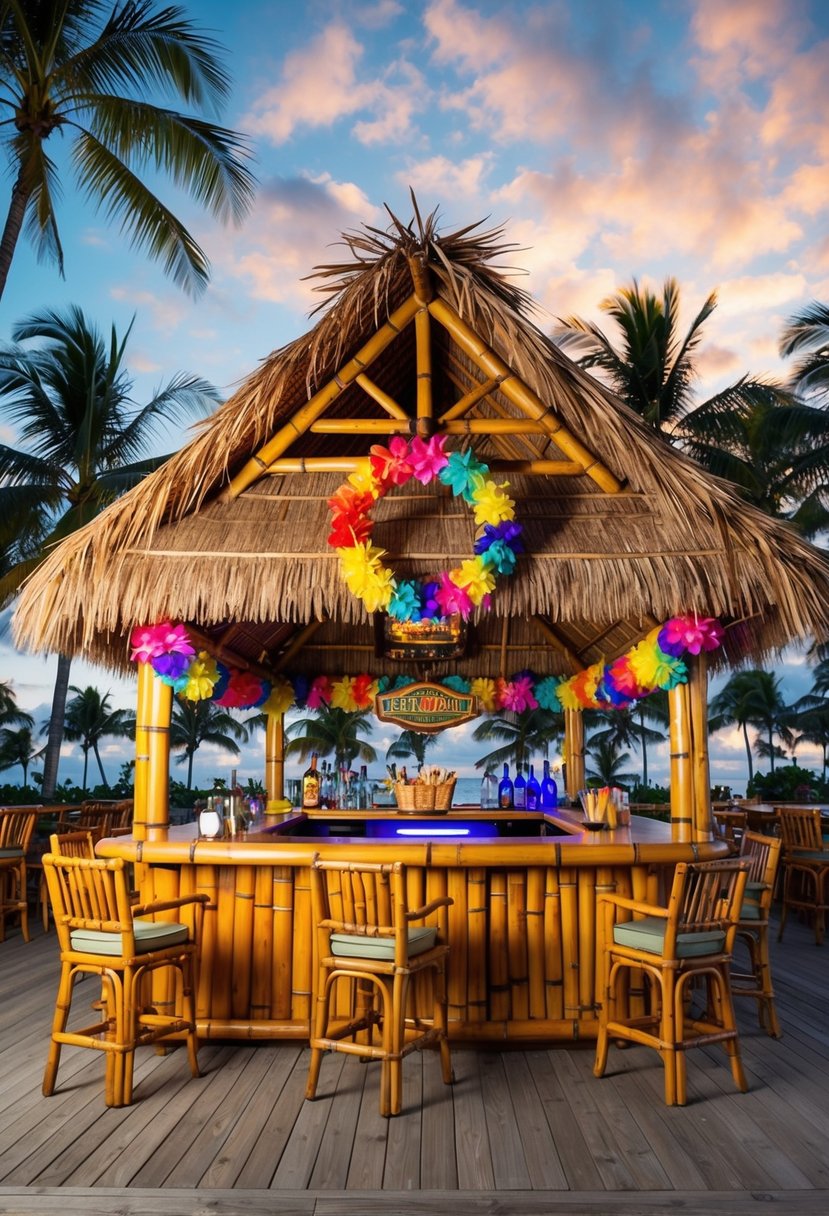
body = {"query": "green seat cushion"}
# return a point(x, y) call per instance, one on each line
point(13, 850)
point(649, 934)
point(354, 945)
point(149, 935)
point(750, 907)
point(807, 855)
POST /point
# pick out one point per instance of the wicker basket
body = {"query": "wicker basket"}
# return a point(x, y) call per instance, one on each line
point(422, 797)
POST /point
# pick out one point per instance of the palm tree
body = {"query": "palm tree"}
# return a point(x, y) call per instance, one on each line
point(411, 743)
point(753, 698)
point(608, 764)
point(652, 367)
point(17, 747)
point(526, 734)
point(627, 727)
point(195, 722)
point(332, 732)
point(89, 719)
point(71, 397)
point(10, 715)
point(807, 333)
point(87, 70)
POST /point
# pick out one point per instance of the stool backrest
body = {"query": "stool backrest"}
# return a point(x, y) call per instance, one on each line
point(17, 826)
point(89, 894)
point(73, 844)
point(705, 896)
point(800, 828)
point(361, 899)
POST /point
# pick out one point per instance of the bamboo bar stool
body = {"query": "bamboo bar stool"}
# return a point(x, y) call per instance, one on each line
point(672, 947)
point(68, 844)
point(763, 856)
point(100, 933)
point(366, 938)
point(16, 830)
point(805, 866)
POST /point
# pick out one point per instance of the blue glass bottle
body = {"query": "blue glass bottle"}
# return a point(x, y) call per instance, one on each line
point(533, 791)
point(505, 791)
point(549, 790)
point(520, 793)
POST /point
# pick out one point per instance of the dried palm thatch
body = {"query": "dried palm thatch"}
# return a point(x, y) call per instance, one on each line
point(246, 561)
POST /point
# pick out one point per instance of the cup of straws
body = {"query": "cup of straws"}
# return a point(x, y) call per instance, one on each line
point(597, 805)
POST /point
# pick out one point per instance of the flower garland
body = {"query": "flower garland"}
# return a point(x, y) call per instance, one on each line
point(451, 591)
point(653, 663)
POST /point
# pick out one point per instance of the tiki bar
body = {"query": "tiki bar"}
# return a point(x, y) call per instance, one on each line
point(423, 507)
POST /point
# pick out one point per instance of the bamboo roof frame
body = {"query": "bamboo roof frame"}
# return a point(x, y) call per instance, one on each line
point(424, 334)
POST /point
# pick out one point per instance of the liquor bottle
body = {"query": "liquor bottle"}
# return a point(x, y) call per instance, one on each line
point(533, 791)
point(520, 795)
point(363, 799)
point(489, 791)
point(549, 789)
point(505, 791)
point(311, 785)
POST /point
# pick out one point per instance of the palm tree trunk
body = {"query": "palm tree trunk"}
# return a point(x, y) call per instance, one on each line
point(11, 231)
point(55, 734)
point(100, 766)
point(85, 766)
point(771, 748)
point(190, 754)
point(644, 747)
point(748, 752)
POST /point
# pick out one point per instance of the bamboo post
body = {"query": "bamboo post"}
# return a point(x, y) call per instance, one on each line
point(698, 695)
point(535, 941)
point(553, 965)
point(275, 762)
point(498, 957)
point(158, 764)
point(423, 356)
point(517, 944)
point(477, 944)
point(574, 752)
point(243, 918)
point(146, 676)
point(682, 774)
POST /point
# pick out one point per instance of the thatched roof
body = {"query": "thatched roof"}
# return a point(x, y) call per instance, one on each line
point(630, 532)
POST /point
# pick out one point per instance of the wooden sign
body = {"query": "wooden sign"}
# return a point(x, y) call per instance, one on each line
point(422, 641)
point(426, 707)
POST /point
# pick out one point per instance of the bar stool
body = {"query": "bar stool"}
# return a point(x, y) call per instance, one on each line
point(16, 830)
point(100, 933)
point(763, 856)
point(805, 866)
point(366, 941)
point(671, 947)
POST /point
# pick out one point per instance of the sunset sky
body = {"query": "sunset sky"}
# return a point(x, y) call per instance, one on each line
point(613, 138)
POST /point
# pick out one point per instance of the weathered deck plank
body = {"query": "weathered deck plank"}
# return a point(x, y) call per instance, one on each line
point(522, 1131)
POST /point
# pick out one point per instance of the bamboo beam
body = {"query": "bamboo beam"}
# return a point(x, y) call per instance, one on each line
point(466, 426)
point(383, 399)
point(503, 648)
point(521, 395)
point(297, 642)
point(469, 399)
point(299, 422)
point(347, 464)
point(226, 654)
point(572, 657)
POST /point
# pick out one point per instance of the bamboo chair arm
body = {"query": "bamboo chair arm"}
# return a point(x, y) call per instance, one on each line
point(634, 905)
point(166, 904)
point(444, 901)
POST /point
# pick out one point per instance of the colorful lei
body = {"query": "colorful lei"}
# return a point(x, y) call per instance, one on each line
point(653, 663)
point(451, 591)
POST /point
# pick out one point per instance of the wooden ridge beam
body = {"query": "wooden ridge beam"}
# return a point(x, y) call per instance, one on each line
point(347, 464)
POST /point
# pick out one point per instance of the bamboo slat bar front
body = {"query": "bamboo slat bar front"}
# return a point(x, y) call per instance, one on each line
point(522, 930)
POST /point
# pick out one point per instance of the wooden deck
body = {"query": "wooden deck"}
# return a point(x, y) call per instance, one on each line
point(523, 1131)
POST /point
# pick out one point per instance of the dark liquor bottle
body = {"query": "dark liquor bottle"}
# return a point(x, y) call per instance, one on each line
point(520, 791)
point(311, 785)
point(549, 790)
point(533, 791)
point(505, 791)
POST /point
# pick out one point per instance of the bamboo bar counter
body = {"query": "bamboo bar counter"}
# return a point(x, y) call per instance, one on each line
point(522, 929)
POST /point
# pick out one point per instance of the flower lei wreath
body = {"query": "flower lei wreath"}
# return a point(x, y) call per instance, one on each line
point(451, 591)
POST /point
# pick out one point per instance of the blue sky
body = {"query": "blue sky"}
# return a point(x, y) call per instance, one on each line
point(613, 138)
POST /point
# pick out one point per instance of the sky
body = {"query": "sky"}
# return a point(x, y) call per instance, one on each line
point(614, 139)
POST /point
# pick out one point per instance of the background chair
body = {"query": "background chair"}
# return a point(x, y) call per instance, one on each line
point(99, 933)
point(805, 866)
point(17, 826)
point(367, 941)
point(690, 939)
point(763, 856)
